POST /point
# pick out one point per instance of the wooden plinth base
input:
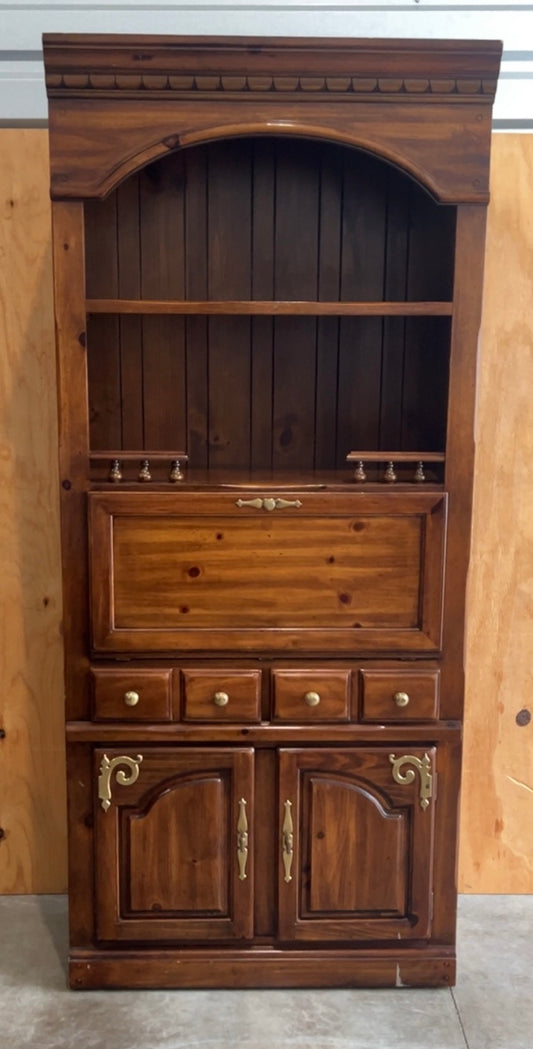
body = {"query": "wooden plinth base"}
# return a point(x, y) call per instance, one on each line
point(261, 967)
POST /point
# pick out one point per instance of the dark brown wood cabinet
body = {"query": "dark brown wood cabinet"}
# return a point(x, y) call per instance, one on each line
point(268, 269)
point(362, 850)
point(165, 853)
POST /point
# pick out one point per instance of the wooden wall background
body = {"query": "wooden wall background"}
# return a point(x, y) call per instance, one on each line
point(497, 825)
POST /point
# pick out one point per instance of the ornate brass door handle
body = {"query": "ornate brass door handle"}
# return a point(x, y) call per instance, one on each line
point(242, 840)
point(268, 503)
point(287, 841)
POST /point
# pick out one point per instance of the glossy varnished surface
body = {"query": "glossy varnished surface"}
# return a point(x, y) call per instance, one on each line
point(167, 848)
point(296, 86)
point(350, 842)
point(362, 848)
point(206, 571)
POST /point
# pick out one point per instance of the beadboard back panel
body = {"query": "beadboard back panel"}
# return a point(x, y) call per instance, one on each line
point(354, 230)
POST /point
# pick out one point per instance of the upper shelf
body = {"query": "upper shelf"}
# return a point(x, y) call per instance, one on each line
point(268, 307)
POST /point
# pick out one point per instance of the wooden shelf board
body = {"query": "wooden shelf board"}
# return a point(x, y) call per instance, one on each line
point(133, 456)
point(270, 307)
point(395, 457)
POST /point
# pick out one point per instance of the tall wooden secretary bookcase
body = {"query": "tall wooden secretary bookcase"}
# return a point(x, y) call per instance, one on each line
point(268, 270)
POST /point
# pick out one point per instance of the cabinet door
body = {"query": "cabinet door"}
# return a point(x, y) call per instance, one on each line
point(356, 835)
point(172, 857)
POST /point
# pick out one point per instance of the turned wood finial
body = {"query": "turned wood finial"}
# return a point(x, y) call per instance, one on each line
point(144, 472)
point(176, 473)
point(115, 471)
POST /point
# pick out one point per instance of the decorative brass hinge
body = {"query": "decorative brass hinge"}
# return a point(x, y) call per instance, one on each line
point(422, 766)
point(126, 779)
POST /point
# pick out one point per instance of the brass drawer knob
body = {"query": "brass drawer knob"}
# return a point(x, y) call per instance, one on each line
point(312, 699)
point(131, 698)
point(221, 699)
point(401, 699)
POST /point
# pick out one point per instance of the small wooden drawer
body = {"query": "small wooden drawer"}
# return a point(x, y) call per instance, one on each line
point(215, 695)
point(132, 695)
point(397, 695)
point(311, 695)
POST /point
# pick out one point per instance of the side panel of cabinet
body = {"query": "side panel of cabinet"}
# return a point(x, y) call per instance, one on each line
point(356, 840)
point(172, 857)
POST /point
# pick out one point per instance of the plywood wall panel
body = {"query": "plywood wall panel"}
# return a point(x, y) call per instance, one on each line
point(32, 804)
point(497, 807)
point(497, 824)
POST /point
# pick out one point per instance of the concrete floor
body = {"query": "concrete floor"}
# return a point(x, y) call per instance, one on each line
point(491, 1007)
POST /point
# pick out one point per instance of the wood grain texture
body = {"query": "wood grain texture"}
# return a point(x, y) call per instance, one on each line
point(176, 876)
point(249, 559)
point(497, 834)
point(497, 807)
point(32, 803)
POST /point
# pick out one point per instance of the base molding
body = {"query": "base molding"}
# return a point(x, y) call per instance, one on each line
point(139, 968)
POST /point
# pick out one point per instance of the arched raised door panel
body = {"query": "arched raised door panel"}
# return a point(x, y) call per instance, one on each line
point(168, 860)
point(363, 847)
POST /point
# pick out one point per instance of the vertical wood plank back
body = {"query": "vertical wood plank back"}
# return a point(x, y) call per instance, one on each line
point(229, 259)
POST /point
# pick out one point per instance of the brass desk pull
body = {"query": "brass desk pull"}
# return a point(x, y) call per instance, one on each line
point(242, 839)
point(287, 841)
point(401, 699)
point(269, 503)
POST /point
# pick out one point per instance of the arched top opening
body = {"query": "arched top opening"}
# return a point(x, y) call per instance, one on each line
point(388, 153)
point(325, 220)
point(260, 236)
